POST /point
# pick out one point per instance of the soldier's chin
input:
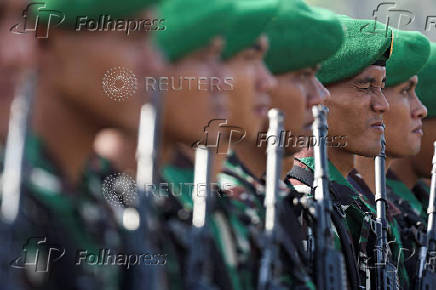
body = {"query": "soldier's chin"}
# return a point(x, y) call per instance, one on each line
point(362, 150)
point(290, 149)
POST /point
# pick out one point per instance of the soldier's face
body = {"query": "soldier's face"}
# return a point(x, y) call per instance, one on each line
point(190, 104)
point(356, 109)
point(422, 163)
point(403, 120)
point(78, 61)
point(295, 95)
point(16, 56)
point(249, 100)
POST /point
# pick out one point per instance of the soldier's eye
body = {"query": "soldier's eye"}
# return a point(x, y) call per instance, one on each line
point(363, 87)
point(406, 90)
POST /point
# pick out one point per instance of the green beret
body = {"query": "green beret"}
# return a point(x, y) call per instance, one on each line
point(93, 9)
point(301, 36)
point(411, 52)
point(191, 25)
point(426, 89)
point(249, 19)
point(366, 41)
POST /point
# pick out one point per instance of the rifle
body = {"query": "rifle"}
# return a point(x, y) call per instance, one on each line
point(199, 268)
point(426, 278)
point(330, 267)
point(386, 276)
point(15, 147)
point(146, 176)
point(273, 172)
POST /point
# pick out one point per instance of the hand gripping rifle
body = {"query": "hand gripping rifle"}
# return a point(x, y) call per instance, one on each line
point(273, 172)
point(330, 267)
point(426, 278)
point(386, 275)
point(199, 267)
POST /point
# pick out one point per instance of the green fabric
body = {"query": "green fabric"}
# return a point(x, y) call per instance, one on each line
point(178, 176)
point(401, 190)
point(248, 22)
point(364, 44)
point(296, 34)
point(411, 52)
point(426, 89)
point(191, 25)
point(247, 215)
point(52, 197)
point(94, 8)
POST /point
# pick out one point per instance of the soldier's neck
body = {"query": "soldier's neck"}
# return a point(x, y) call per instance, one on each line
point(366, 168)
point(67, 134)
point(341, 159)
point(254, 158)
point(403, 169)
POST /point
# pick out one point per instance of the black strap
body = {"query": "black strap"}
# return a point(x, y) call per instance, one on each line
point(303, 175)
point(348, 251)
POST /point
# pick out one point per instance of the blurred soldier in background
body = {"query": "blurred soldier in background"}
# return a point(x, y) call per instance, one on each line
point(249, 103)
point(192, 42)
point(61, 205)
point(403, 137)
point(16, 59)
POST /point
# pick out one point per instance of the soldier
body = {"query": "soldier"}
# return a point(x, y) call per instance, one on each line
point(193, 42)
point(409, 170)
point(16, 59)
point(355, 76)
point(293, 58)
point(403, 136)
point(63, 219)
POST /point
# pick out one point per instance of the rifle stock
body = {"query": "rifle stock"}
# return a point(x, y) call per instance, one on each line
point(199, 268)
point(15, 147)
point(273, 171)
point(146, 177)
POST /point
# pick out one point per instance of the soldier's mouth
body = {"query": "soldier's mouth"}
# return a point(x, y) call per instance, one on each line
point(418, 131)
point(379, 126)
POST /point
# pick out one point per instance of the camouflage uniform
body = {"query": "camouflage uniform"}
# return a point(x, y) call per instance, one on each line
point(70, 218)
point(422, 193)
point(175, 211)
point(411, 218)
point(356, 212)
point(244, 200)
point(395, 215)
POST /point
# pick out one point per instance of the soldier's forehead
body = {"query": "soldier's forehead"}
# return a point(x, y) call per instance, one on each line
point(12, 6)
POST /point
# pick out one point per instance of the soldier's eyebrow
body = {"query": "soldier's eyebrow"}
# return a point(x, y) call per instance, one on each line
point(370, 80)
point(366, 80)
